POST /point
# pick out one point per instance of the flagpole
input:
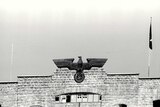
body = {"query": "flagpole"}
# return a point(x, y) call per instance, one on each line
point(149, 57)
point(150, 46)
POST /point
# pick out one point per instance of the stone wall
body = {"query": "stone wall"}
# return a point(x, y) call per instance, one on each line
point(149, 91)
point(8, 94)
point(40, 91)
point(34, 90)
point(64, 81)
point(115, 88)
point(121, 89)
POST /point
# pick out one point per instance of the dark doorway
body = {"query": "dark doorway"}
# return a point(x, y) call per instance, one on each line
point(122, 105)
point(68, 99)
point(156, 103)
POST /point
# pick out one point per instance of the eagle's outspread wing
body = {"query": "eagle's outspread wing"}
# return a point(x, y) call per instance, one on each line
point(63, 63)
point(95, 62)
point(68, 63)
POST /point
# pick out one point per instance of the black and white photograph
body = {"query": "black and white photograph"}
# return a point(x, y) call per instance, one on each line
point(79, 53)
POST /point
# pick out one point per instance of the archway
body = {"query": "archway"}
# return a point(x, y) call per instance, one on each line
point(156, 103)
point(122, 105)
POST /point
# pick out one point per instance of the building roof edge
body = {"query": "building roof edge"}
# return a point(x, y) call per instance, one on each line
point(32, 76)
point(122, 73)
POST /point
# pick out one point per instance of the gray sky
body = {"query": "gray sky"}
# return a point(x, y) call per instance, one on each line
point(42, 30)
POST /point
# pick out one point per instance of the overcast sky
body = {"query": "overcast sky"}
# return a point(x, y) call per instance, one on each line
point(41, 30)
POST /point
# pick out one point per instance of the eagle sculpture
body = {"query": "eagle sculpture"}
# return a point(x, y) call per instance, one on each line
point(79, 66)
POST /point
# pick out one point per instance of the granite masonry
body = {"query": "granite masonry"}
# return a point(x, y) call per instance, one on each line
point(99, 89)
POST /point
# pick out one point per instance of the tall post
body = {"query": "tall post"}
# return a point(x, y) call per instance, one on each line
point(150, 46)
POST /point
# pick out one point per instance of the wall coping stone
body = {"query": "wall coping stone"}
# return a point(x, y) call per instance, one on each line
point(149, 78)
point(33, 76)
point(122, 73)
point(8, 82)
